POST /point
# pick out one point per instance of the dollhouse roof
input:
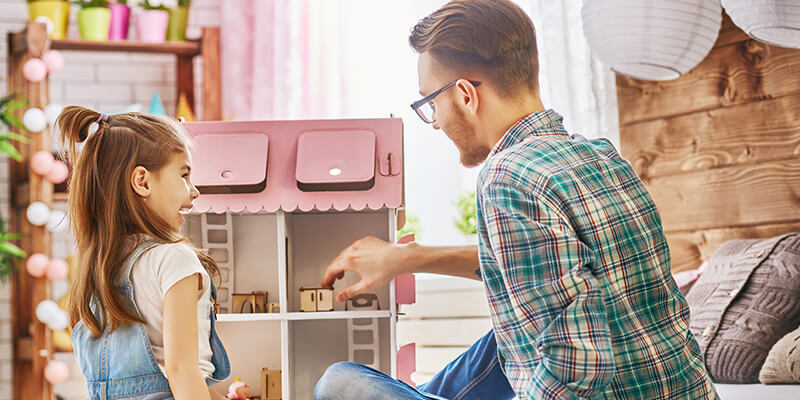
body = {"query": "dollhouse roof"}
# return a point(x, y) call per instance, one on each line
point(290, 165)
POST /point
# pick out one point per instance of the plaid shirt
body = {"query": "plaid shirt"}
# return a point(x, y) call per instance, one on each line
point(576, 268)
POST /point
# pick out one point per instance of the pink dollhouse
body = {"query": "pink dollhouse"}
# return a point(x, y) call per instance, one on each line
point(278, 201)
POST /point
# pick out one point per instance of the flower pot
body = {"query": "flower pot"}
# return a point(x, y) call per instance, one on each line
point(120, 14)
point(93, 23)
point(55, 11)
point(151, 26)
point(178, 19)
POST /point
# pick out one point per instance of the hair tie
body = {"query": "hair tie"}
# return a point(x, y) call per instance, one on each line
point(102, 118)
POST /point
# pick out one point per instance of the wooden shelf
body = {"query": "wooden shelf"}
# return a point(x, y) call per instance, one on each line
point(295, 316)
point(189, 48)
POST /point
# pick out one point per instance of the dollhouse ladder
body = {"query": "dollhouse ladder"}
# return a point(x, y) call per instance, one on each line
point(359, 329)
point(218, 240)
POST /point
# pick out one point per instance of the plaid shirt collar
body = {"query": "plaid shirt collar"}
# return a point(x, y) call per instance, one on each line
point(540, 123)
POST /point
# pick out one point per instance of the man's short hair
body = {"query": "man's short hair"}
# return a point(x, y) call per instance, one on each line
point(493, 37)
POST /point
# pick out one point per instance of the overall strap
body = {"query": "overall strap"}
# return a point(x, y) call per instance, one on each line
point(125, 278)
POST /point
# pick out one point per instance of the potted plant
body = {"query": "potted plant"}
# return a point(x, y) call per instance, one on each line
point(94, 19)
point(467, 216)
point(151, 22)
point(120, 15)
point(178, 19)
point(55, 13)
point(9, 120)
point(411, 227)
point(9, 251)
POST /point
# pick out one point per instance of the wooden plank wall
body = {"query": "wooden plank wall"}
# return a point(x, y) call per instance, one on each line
point(718, 148)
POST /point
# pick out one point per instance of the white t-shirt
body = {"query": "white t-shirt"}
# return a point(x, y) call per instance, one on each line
point(156, 271)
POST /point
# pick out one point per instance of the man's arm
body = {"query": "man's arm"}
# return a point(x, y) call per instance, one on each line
point(377, 262)
point(546, 273)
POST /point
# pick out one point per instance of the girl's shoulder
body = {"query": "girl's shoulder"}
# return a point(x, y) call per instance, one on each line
point(171, 262)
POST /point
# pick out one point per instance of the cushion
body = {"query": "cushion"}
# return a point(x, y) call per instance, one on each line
point(783, 361)
point(747, 298)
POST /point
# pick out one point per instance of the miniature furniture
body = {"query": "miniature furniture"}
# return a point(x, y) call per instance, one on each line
point(363, 301)
point(274, 307)
point(278, 201)
point(32, 340)
point(316, 299)
point(270, 384)
point(257, 301)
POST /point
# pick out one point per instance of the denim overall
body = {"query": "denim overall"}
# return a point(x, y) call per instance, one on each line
point(120, 365)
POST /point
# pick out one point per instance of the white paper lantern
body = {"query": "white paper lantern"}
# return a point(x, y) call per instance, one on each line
point(38, 213)
point(57, 221)
point(58, 321)
point(47, 311)
point(34, 120)
point(651, 39)
point(775, 22)
point(47, 22)
point(52, 112)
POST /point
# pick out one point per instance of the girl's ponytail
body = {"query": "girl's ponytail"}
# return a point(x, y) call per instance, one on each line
point(75, 123)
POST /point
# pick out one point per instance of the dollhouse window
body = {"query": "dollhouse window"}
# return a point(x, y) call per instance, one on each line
point(230, 163)
point(335, 161)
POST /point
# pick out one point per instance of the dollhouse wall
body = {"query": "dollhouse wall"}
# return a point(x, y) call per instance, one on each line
point(317, 238)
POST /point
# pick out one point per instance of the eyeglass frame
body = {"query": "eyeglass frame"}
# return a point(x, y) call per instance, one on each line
point(429, 98)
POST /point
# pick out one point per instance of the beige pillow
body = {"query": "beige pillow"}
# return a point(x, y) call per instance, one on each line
point(783, 361)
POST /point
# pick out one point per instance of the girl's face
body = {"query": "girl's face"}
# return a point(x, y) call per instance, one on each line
point(172, 191)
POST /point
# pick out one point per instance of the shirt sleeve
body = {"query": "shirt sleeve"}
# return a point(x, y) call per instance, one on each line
point(546, 272)
point(176, 262)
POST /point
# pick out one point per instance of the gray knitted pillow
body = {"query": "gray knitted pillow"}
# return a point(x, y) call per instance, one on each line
point(783, 362)
point(747, 298)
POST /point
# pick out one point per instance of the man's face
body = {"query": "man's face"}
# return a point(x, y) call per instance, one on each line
point(451, 113)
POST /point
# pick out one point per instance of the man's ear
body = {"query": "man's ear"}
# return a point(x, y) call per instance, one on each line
point(140, 181)
point(468, 96)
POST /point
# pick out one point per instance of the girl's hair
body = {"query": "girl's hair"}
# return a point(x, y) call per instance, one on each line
point(106, 212)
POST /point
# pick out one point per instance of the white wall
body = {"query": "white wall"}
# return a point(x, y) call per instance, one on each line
point(107, 82)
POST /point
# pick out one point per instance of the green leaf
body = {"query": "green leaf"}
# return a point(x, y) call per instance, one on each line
point(16, 105)
point(10, 150)
point(15, 121)
point(9, 248)
point(13, 136)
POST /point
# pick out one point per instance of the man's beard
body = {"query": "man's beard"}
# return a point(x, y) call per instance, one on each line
point(463, 136)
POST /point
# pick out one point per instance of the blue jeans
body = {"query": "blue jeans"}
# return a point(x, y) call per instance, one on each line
point(474, 375)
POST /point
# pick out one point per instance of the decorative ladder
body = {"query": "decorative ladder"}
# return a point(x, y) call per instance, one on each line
point(218, 241)
point(360, 352)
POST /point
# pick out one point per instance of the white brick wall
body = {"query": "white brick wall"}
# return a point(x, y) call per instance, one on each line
point(108, 82)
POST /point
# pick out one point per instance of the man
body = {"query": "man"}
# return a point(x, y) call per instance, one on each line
point(572, 252)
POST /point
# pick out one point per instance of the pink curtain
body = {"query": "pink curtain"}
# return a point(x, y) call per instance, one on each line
point(263, 59)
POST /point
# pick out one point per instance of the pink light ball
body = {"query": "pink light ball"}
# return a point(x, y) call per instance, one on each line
point(34, 70)
point(53, 60)
point(57, 269)
point(37, 265)
point(56, 372)
point(42, 162)
point(58, 173)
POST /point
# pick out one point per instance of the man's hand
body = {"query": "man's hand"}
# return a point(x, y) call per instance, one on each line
point(374, 260)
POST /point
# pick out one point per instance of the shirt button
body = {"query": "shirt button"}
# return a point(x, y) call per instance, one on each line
point(760, 253)
point(732, 293)
point(707, 331)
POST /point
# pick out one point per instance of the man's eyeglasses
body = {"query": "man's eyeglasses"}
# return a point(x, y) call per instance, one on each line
point(424, 107)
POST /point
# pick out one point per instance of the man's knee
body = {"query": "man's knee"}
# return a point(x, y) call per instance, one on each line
point(337, 379)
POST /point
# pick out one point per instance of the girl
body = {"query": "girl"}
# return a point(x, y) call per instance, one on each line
point(141, 304)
